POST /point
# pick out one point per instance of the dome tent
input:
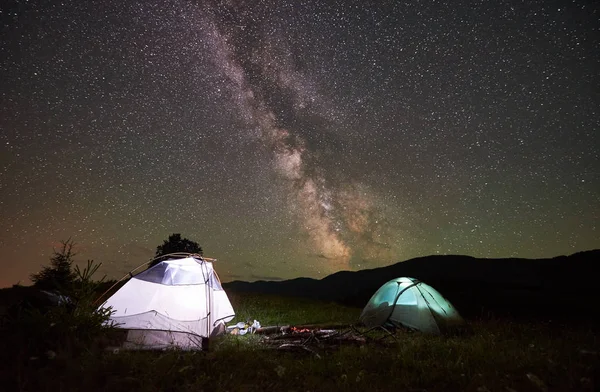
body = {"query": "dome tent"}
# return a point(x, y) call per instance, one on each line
point(177, 303)
point(411, 303)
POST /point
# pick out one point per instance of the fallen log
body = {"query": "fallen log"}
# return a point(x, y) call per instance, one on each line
point(287, 328)
point(328, 338)
point(272, 329)
point(305, 335)
point(323, 326)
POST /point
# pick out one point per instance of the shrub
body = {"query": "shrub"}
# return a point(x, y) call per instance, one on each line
point(73, 325)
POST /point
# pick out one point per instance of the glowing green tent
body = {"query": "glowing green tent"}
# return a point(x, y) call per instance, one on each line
point(411, 303)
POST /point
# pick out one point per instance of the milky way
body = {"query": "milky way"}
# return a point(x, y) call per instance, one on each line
point(325, 212)
point(298, 138)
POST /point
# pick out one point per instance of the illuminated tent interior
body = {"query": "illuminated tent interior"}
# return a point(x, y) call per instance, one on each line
point(177, 303)
point(410, 303)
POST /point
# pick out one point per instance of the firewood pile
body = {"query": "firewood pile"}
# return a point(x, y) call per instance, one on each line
point(310, 338)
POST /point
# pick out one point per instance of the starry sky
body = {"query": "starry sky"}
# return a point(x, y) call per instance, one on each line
point(297, 138)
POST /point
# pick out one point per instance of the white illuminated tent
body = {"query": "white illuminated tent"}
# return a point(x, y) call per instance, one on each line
point(411, 303)
point(178, 303)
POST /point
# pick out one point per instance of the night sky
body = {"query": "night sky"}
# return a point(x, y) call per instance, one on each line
point(298, 138)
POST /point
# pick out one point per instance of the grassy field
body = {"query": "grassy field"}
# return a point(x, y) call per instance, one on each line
point(492, 355)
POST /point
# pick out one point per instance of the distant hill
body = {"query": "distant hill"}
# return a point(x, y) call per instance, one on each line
point(553, 288)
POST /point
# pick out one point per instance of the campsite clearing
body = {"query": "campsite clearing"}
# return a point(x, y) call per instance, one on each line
point(494, 355)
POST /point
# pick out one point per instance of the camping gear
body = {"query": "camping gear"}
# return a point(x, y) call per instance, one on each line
point(177, 303)
point(243, 328)
point(411, 303)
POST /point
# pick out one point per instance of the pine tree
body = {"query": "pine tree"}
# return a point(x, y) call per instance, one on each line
point(58, 276)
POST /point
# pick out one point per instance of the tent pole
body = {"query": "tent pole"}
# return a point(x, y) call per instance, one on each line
point(130, 273)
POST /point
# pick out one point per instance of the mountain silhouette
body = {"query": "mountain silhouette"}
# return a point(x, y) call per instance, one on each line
point(553, 288)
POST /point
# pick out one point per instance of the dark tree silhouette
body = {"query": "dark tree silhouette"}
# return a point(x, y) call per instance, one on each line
point(176, 244)
point(59, 276)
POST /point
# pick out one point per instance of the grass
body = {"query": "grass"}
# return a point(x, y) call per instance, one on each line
point(494, 355)
point(274, 310)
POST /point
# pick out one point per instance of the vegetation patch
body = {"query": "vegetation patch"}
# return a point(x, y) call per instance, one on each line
point(494, 355)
